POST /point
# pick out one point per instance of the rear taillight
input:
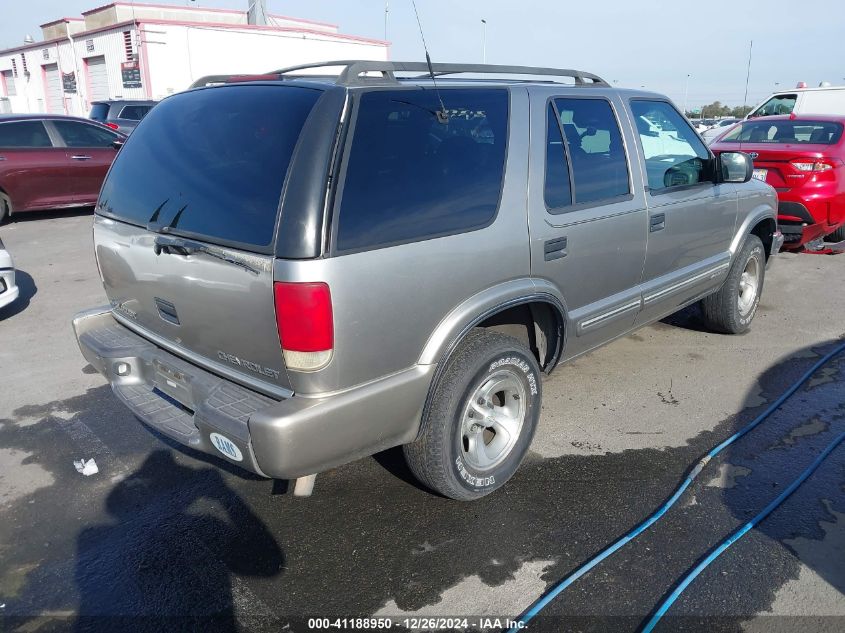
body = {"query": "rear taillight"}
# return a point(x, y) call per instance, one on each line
point(818, 165)
point(113, 126)
point(305, 322)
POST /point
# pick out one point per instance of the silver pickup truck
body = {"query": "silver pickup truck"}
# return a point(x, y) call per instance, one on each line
point(304, 269)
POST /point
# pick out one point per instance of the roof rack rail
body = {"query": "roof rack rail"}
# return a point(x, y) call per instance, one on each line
point(355, 71)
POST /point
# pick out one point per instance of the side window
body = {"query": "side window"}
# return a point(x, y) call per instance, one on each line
point(83, 135)
point(595, 149)
point(779, 104)
point(134, 112)
point(675, 158)
point(410, 177)
point(24, 134)
point(556, 191)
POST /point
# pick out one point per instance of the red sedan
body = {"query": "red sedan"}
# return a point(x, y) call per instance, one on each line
point(52, 162)
point(802, 158)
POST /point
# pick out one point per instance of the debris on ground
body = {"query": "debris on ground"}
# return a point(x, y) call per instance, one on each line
point(86, 467)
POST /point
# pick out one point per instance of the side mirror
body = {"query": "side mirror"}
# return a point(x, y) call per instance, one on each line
point(735, 167)
point(118, 143)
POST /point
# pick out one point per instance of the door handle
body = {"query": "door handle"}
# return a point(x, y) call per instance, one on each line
point(80, 157)
point(554, 249)
point(2, 158)
point(657, 222)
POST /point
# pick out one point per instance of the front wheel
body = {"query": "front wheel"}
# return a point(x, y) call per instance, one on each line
point(732, 308)
point(837, 236)
point(481, 417)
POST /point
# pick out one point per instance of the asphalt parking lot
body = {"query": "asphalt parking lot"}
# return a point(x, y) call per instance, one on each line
point(162, 532)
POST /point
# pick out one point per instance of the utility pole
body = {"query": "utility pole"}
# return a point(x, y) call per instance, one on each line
point(484, 40)
point(686, 93)
point(747, 75)
point(386, 15)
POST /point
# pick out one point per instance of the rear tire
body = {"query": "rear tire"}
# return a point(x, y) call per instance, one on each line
point(5, 207)
point(837, 236)
point(732, 308)
point(481, 417)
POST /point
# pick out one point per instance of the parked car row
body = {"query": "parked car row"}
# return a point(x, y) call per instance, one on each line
point(717, 129)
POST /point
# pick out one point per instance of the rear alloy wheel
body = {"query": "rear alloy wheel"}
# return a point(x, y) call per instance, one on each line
point(732, 308)
point(481, 417)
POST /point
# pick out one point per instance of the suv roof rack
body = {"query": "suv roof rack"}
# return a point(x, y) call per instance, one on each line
point(355, 71)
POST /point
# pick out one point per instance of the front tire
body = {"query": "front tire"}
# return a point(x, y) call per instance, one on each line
point(732, 308)
point(837, 236)
point(481, 417)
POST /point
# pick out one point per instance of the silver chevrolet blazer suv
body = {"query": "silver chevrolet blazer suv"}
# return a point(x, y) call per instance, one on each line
point(310, 266)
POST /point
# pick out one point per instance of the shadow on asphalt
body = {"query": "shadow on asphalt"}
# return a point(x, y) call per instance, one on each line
point(690, 318)
point(35, 216)
point(159, 532)
point(27, 289)
point(176, 547)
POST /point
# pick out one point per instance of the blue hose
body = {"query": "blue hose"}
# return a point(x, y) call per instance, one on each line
point(733, 538)
point(561, 585)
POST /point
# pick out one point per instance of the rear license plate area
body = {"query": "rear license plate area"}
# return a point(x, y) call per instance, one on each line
point(760, 174)
point(173, 383)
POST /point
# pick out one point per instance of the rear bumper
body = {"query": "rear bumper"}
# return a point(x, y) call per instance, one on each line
point(803, 221)
point(279, 439)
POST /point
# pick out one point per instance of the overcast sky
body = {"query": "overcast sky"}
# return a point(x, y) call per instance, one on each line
point(651, 43)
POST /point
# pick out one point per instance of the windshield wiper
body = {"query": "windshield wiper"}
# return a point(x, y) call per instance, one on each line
point(152, 223)
point(180, 246)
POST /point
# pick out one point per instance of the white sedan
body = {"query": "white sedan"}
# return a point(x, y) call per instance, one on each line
point(712, 133)
point(8, 289)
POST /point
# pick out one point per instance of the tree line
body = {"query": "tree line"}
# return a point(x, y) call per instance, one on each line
point(718, 109)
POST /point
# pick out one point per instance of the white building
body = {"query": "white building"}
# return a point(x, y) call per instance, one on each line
point(146, 51)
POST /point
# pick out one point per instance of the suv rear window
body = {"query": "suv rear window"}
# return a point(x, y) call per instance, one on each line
point(411, 177)
point(211, 163)
point(99, 112)
point(134, 112)
point(792, 131)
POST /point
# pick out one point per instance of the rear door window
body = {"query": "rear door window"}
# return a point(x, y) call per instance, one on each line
point(76, 134)
point(595, 148)
point(674, 154)
point(211, 163)
point(23, 134)
point(411, 177)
